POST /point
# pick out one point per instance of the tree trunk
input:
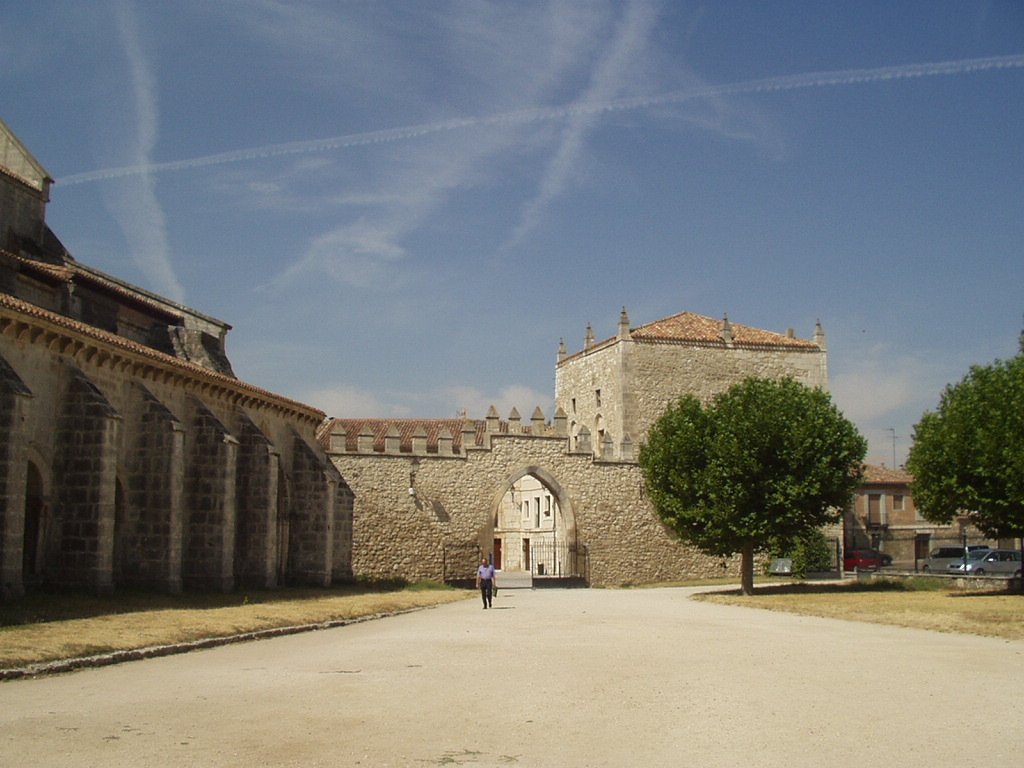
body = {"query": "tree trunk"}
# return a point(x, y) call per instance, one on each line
point(747, 570)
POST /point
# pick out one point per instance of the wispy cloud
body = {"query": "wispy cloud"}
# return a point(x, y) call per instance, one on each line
point(877, 389)
point(366, 252)
point(825, 79)
point(354, 403)
point(614, 72)
point(446, 402)
point(360, 255)
point(887, 392)
point(364, 234)
point(135, 206)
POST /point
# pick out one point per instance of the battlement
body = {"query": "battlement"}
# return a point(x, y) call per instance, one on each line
point(454, 438)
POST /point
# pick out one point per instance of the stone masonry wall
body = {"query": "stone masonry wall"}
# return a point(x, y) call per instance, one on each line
point(341, 554)
point(209, 545)
point(663, 372)
point(311, 538)
point(87, 465)
point(396, 534)
point(638, 381)
point(149, 531)
point(13, 397)
point(136, 464)
point(256, 543)
point(578, 383)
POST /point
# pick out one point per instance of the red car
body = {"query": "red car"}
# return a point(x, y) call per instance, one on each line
point(864, 560)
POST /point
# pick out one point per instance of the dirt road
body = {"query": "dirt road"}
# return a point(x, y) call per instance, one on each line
point(545, 678)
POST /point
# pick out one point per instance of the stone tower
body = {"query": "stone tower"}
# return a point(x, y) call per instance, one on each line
point(615, 389)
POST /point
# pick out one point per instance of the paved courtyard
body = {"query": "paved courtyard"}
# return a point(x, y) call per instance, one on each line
point(545, 678)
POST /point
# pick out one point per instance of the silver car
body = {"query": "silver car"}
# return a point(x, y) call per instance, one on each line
point(944, 558)
point(992, 562)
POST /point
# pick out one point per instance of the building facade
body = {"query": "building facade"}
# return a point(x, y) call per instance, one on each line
point(883, 516)
point(130, 454)
point(614, 390)
point(560, 496)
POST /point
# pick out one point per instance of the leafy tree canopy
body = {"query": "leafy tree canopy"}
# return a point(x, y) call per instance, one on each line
point(968, 457)
point(767, 459)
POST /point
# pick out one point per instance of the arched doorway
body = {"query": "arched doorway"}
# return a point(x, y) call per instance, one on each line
point(534, 529)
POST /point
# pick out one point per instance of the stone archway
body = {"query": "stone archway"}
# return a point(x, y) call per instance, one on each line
point(532, 526)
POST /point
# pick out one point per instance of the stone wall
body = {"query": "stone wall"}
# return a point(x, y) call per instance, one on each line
point(622, 386)
point(663, 372)
point(148, 545)
point(13, 402)
point(256, 552)
point(448, 520)
point(83, 516)
point(24, 191)
point(154, 473)
point(210, 475)
point(593, 392)
point(426, 506)
point(311, 534)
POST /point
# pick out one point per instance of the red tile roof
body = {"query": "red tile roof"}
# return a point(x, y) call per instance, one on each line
point(875, 474)
point(691, 329)
point(698, 329)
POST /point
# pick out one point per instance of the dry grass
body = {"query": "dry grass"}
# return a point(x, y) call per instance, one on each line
point(44, 628)
point(919, 605)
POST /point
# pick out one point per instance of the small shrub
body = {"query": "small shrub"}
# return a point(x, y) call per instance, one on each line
point(810, 553)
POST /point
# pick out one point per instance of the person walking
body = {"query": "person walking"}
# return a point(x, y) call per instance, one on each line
point(485, 582)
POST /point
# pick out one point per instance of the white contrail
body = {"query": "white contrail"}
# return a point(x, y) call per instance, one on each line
point(767, 85)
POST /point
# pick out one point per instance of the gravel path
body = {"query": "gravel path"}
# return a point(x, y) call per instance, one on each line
point(545, 678)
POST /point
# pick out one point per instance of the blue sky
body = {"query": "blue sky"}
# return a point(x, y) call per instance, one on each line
point(401, 207)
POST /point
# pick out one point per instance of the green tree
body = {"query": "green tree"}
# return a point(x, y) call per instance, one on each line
point(767, 459)
point(968, 456)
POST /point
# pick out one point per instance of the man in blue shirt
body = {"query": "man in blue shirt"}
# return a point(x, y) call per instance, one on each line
point(485, 581)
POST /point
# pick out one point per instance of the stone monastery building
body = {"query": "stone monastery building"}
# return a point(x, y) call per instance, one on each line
point(130, 454)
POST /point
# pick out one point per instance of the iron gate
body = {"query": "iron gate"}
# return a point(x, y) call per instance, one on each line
point(560, 560)
point(547, 559)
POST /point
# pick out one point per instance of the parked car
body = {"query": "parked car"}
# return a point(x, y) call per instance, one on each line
point(865, 560)
point(940, 559)
point(1001, 562)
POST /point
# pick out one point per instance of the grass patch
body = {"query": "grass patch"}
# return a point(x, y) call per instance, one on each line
point(919, 603)
point(709, 582)
point(45, 626)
